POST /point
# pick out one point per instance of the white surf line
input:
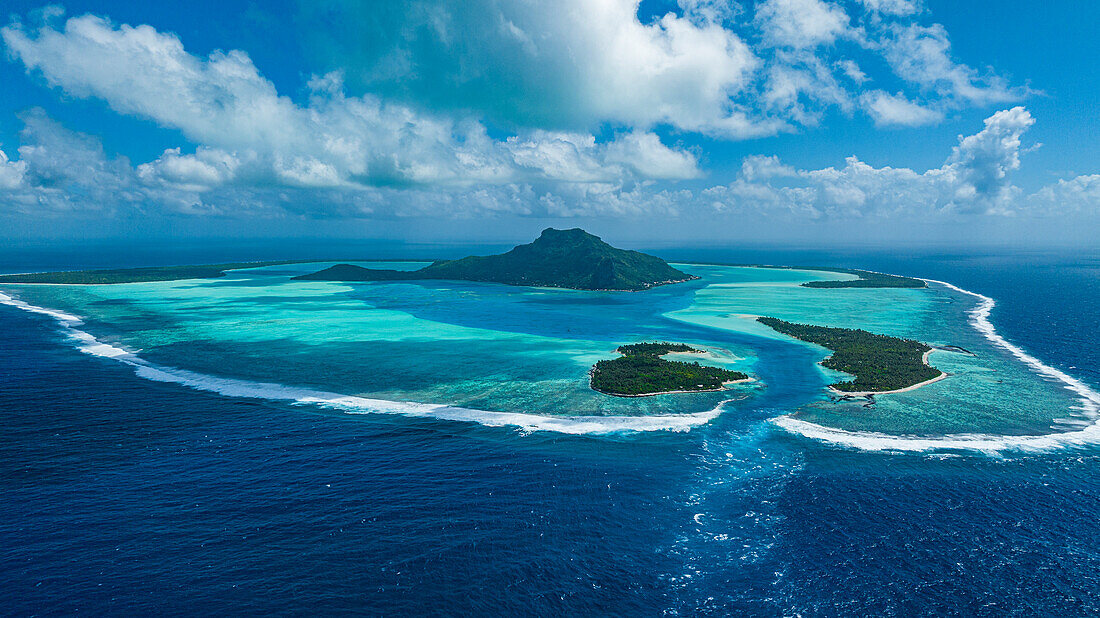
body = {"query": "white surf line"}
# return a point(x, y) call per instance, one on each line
point(230, 387)
point(979, 318)
point(990, 444)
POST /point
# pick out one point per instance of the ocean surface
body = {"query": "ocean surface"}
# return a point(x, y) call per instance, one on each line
point(240, 445)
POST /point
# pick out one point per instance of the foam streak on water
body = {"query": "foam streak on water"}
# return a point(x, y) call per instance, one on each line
point(990, 444)
point(362, 405)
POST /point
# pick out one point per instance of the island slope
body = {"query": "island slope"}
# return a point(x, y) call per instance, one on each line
point(558, 258)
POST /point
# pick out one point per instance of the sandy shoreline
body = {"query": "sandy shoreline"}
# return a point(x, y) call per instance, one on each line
point(924, 359)
point(716, 354)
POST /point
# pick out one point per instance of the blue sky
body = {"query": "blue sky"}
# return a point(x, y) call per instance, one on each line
point(797, 120)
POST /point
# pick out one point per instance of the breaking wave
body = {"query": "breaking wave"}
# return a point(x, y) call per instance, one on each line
point(362, 405)
point(985, 443)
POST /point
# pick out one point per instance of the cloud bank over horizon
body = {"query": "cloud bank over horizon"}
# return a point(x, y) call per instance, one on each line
point(578, 110)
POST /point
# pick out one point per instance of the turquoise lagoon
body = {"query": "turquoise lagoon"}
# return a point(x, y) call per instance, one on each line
point(494, 350)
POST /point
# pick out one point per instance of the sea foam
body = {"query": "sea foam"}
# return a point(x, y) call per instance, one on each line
point(1089, 409)
point(231, 387)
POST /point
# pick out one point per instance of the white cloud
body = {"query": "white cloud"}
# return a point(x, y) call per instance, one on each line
point(566, 65)
point(852, 71)
point(572, 66)
point(973, 179)
point(896, 110)
point(801, 23)
point(761, 167)
point(672, 71)
point(62, 172)
point(922, 55)
point(716, 11)
point(207, 168)
point(223, 103)
point(647, 156)
point(1076, 195)
point(576, 64)
point(11, 172)
point(981, 162)
point(333, 154)
point(898, 8)
point(799, 84)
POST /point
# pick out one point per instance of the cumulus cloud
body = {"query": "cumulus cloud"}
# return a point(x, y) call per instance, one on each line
point(11, 172)
point(564, 65)
point(223, 103)
point(424, 65)
point(898, 8)
point(799, 85)
point(64, 172)
point(717, 11)
point(712, 67)
point(852, 71)
point(61, 171)
point(572, 70)
point(896, 110)
point(208, 167)
point(647, 156)
point(980, 163)
point(801, 23)
point(1076, 195)
point(922, 55)
point(973, 179)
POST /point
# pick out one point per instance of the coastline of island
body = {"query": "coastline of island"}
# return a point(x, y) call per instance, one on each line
point(706, 390)
point(879, 364)
point(642, 372)
point(865, 278)
point(159, 274)
point(568, 259)
point(943, 376)
point(153, 274)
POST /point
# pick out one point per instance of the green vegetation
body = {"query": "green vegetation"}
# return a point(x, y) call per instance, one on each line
point(655, 348)
point(136, 275)
point(558, 258)
point(878, 362)
point(642, 371)
point(867, 279)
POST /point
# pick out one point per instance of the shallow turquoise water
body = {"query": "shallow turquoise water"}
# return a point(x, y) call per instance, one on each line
point(528, 350)
point(125, 495)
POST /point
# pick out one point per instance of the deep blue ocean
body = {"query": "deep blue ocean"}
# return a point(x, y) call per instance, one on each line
point(125, 496)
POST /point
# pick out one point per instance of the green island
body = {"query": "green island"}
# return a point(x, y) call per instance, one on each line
point(134, 275)
point(148, 274)
point(571, 259)
point(641, 371)
point(867, 279)
point(879, 363)
point(140, 275)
